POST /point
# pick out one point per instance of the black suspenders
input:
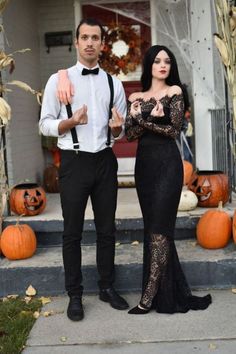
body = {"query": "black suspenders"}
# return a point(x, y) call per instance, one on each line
point(110, 81)
point(73, 130)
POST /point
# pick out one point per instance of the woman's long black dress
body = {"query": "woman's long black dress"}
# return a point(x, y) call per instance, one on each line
point(159, 180)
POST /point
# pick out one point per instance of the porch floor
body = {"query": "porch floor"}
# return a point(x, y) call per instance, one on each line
point(127, 208)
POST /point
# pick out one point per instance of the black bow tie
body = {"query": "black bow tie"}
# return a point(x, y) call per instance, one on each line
point(87, 71)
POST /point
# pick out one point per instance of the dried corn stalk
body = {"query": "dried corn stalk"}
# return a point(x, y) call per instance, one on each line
point(3, 4)
point(3, 188)
point(27, 88)
point(225, 42)
point(7, 61)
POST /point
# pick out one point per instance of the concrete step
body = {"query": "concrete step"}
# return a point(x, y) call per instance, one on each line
point(49, 232)
point(49, 225)
point(203, 268)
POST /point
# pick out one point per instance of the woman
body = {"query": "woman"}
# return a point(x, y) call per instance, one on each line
point(155, 118)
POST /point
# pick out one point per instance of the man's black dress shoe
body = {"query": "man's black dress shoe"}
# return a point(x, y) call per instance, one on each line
point(115, 300)
point(75, 310)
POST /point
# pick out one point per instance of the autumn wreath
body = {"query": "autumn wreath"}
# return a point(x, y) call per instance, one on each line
point(125, 63)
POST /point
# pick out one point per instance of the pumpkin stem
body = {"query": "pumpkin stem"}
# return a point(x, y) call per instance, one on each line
point(220, 205)
point(18, 219)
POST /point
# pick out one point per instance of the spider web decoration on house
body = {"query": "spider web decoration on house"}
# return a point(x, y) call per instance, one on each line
point(172, 24)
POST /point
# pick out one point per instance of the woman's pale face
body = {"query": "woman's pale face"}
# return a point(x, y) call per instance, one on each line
point(161, 66)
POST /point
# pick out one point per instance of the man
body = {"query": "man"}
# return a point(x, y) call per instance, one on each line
point(88, 164)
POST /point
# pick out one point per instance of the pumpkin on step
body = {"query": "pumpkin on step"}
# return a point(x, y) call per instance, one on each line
point(18, 241)
point(188, 171)
point(214, 229)
point(188, 201)
point(234, 227)
point(211, 187)
point(27, 199)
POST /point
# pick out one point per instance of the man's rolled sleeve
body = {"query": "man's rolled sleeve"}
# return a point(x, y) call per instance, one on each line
point(50, 111)
point(120, 104)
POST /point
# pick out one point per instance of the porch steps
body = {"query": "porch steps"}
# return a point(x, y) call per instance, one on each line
point(48, 226)
point(44, 271)
point(203, 268)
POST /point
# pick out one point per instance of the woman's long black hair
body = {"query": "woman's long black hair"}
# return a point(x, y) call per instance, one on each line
point(172, 79)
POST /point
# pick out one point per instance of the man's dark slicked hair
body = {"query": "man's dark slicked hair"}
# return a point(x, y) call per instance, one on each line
point(90, 22)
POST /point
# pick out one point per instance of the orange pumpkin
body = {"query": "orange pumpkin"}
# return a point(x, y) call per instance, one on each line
point(18, 241)
point(214, 229)
point(188, 171)
point(56, 156)
point(210, 187)
point(27, 199)
point(234, 227)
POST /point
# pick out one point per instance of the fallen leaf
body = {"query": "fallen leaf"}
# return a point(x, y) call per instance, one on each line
point(63, 339)
point(45, 300)
point(117, 244)
point(36, 314)
point(233, 290)
point(27, 299)
point(5, 299)
point(31, 291)
point(13, 296)
point(135, 243)
point(194, 244)
point(47, 313)
point(212, 346)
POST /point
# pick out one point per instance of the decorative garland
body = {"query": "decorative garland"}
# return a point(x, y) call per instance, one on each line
point(126, 63)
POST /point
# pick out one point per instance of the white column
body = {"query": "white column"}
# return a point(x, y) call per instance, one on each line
point(203, 80)
point(77, 12)
point(153, 9)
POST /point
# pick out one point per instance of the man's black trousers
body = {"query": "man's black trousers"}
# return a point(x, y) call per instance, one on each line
point(82, 175)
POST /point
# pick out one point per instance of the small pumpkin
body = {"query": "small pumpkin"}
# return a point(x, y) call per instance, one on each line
point(27, 199)
point(18, 241)
point(56, 156)
point(188, 200)
point(188, 171)
point(234, 227)
point(214, 228)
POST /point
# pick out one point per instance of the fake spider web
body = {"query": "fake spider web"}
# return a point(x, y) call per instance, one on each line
point(171, 26)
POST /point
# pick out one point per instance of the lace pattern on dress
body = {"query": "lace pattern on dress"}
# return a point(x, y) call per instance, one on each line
point(159, 255)
point(136, 126)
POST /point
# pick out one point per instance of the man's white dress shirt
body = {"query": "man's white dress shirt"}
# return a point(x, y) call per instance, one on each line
point(94, 92)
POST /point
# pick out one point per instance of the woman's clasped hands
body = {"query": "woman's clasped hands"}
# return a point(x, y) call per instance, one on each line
point(157, 111)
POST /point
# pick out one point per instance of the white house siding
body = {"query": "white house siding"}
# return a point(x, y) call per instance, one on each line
point(55, 16)
point(25, 158)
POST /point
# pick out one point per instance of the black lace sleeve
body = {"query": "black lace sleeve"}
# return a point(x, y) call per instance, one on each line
point(176, 111)
point(132, 128)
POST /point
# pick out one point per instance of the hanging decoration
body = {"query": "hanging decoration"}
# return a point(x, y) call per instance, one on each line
point(128, 62)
